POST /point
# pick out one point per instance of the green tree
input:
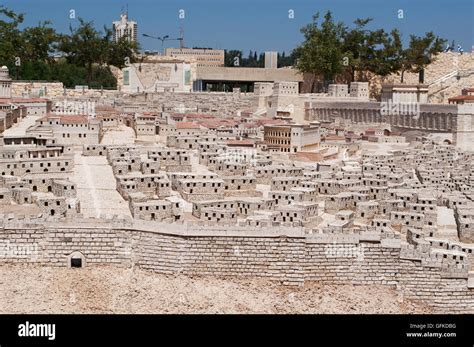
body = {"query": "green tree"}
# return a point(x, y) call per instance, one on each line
point(32, 47)
point(356, 46)
point(371, 51)
point(250, 61)
point(322, 51)
point(69, 74)
point(380, 53)
point(40, 42)
point(11, 40)
point(121, 53)
point(87, 52)
point(395, 59)
point(388, 56)
point(85, 46)
point(286, 60)
point(421, 52)
point(261, 60)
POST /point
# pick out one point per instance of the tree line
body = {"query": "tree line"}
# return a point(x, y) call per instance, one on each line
point(331, 49)
point(81, 57)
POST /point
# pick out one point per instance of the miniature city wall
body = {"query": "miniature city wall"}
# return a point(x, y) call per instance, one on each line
point(288, 255)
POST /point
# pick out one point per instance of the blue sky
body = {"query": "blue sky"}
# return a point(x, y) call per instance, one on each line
point(254, 24)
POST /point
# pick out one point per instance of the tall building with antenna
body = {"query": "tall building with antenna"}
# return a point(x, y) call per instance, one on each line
point(125, 28)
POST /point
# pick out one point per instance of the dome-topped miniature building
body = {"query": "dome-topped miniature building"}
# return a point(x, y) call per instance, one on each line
point(5, 83)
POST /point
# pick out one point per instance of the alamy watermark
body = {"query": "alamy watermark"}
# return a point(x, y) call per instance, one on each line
point(399, 108)
point(28, 329)
point(238, 155)
point(344, 251)
point(74, 107)
point(19, 250)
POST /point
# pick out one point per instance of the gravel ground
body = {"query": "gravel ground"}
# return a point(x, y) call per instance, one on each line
point(111, 289)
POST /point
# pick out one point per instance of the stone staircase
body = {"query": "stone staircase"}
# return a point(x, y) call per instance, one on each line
point(446, 76)
point(450, 85)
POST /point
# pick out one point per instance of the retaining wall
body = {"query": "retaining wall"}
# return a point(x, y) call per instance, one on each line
point(286, 254)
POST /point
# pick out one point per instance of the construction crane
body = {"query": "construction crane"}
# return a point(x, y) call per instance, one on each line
point(180, 38)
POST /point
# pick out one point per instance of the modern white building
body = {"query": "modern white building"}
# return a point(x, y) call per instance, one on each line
point(125, 28)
